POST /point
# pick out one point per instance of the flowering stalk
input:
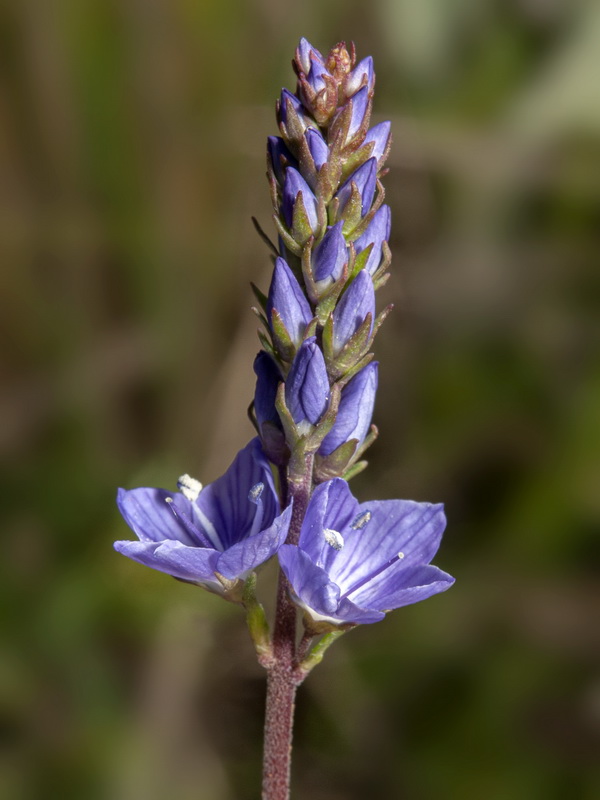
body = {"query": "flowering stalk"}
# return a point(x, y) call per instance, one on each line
point(342, 563)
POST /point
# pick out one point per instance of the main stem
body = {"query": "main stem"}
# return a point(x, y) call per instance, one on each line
point(281, 683)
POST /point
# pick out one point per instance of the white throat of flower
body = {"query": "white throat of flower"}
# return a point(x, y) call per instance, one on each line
point(189, 487)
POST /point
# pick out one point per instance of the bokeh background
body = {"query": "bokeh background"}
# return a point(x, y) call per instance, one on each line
point(132, 145)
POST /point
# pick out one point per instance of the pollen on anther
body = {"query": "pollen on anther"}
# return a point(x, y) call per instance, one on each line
point(255, 492)
point(361, 520)
point(400, 556)
point(333, 538)
point(189, 487)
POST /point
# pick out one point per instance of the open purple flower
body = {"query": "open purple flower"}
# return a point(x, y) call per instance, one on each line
point(354, 562)
point(229, 527)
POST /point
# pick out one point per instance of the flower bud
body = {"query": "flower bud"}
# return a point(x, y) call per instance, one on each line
point(329, 257)
point(354, 414)
point(317, 147)
point(307, 385)
point(362, 73)
point(267, 381)
point(293, 185)
point(376, 233)
point(380, 136)
point(291, 110)
point(350, 313)
point(305, 55)
point(365, 180)
point(279, 156)
point(288, 300)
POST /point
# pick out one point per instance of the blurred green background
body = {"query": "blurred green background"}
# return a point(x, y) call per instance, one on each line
point(132, 153)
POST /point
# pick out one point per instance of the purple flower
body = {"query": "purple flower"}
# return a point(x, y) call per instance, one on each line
point(288, 97)
point(317, 147)
point(377, 232)
point(379, 135)
point(365, 179)
point(280, 156)
point(350, 313)
point(329, 257)
point(356, 561)
point(362, 70)
point(230, 527)
point(355, 410)
point(360, 107)
point(306, 55)
point(287, 298)
point(268, 379)
point(307, 385)
point(294, 183)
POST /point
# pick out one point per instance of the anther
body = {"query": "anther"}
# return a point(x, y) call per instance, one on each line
point(189, 487)
point(361, 520)
point(255, 492)
point(400, 556)
point(333, 538)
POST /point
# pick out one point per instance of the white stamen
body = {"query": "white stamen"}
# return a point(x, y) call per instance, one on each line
point(255, 492)
point(400, 556)
point(333, 538)
point(189, 487)
point(361, 520)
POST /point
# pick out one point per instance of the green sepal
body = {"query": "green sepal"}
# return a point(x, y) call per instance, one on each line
point(335, 464)
point(261, 298)
point(291, 244)
point(347, 376)
point(357, 159)
point(265, 238)
point(307, 272)
point(282, 340)
point(266, 343)
point(257, 622)
point(382, 280)
point(290, 428)
point(353, 233)
point(317, 652)
point(367, 442)
point(352, 210)
point(261, 317)
point(327, 421)
point(301, 228)
point(355, 470)
point(361, 259)
point(353, 350)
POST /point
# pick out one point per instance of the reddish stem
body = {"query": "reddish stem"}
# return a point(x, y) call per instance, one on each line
point(281, 680)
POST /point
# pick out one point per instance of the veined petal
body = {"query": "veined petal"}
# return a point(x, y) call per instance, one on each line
point(330, 255)
point(226, 503)
point(402, 585)
point(317, 146)
point(395, 526)
point(148, 514)
point(195, 564)
point(310, 583)
point(363, 69)
point(332, 507)
point(249, 553)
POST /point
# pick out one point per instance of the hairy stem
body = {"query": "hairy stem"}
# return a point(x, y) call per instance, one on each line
point(281, 678)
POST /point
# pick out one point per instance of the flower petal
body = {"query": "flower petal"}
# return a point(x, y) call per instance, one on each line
point(225, 503)
point(246, 555)
point(355, 410)
point(310, 583)
point(395, 526)
point(149, 516)
point(332, 506)
point(400, 586)
point(195, 564)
